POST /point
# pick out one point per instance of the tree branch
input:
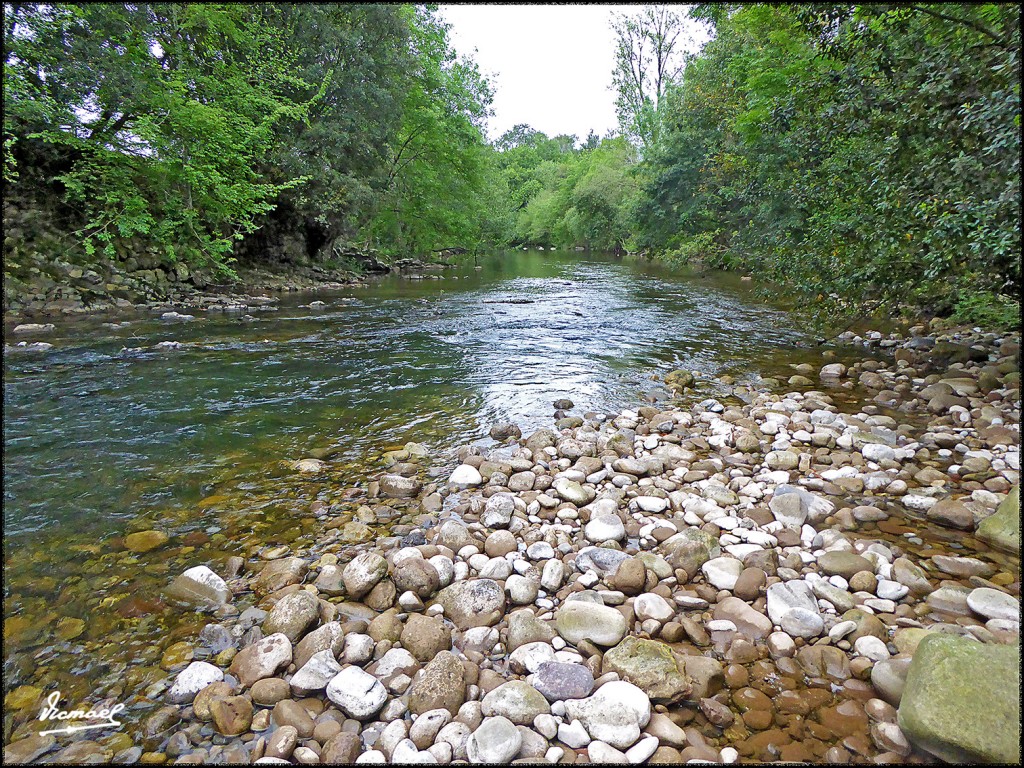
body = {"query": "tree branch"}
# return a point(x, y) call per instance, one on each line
point(966, 22)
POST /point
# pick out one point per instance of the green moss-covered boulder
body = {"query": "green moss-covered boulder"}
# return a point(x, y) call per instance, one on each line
point(962, 700)
point(679, 380)
point(1002, 529)
point(650, 666)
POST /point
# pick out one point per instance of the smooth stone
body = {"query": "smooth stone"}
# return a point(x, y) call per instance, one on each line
point(473, 603)
point(787, 595)
point(465, 474)
point(652, 606)
point(962, 700)
point(517, 701)
point(144, 541)
point(577, 621)
point(497, 740)
point(198, 587)
point(358, 694)
point(750, 623)
point(993, 604)
point(844, 564)
point(604, 528)
point(1002, 528)
point(192, 680)
point(558, 680)
point(316, 673)
point(261, 659)
point(722, 572)
point(800, 622)
point(293, 615)
point(605, 562)
point(362, 574)
point(615, 713)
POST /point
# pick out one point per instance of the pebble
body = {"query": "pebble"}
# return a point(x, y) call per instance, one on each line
point(783, 552)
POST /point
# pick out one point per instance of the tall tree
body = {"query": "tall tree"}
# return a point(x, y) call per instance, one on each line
point(156, 115)
point(648, 57)
point(436, 193)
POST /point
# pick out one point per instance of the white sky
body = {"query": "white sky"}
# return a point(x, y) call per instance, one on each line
point(551, 64)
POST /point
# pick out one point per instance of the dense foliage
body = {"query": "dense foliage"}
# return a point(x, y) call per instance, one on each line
point(871, 151)
point(195, 125)
point(559, 195)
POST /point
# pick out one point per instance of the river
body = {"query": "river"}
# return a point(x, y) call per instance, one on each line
point(106, 433)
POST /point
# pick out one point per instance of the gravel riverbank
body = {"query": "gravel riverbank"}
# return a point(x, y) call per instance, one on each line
point(824, 569)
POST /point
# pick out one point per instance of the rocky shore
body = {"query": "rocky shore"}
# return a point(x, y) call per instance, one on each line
point(822, 569)
point(52, 287)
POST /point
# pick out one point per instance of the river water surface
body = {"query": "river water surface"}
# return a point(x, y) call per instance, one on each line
point(105, 434)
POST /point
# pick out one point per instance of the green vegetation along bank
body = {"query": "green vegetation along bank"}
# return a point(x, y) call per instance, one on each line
point(869, 153)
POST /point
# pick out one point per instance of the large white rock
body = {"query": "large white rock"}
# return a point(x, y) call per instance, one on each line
point(993, 604)
point(722, 572)
point(357, 693)
point(316, 673)
point(615, 714)
point(787, 595)
point(652, 606)
point(498, 510)
point(605, 528)
point(191, 680)
point(465, 474)
point(363, 573)
point(578, 620)
point(198, 587)
point(877, 452)
point(652, 504)
point(497, 740)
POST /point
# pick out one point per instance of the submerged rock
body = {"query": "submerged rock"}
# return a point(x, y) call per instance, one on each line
point(198, 587)
point(144, 541)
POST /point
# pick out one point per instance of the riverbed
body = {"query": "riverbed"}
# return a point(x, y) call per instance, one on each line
point(134, 423)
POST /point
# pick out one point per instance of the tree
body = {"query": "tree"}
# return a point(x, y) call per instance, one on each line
point(871, 152)
point(157, 116)
point(648, 57)
point(361, 53)
point(436, 193)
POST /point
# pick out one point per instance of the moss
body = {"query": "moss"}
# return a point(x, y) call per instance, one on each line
point(1002, 529)
point(962, 700)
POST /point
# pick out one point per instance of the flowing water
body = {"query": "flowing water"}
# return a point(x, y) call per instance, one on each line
point(106, 434)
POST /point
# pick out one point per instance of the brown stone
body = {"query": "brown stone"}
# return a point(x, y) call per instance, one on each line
point(232, 715)
point(630, 577)
point(387, 626)
point(290, 712)
point(426, 636)
point(749, 584)
point(442, 686)
point(341, 749)
point(951, 513)
point(278, 574)
point(382, 596)
point(201, 703)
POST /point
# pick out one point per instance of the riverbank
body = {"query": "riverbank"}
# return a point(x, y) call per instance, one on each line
point(70, 290)
point(770, 575)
